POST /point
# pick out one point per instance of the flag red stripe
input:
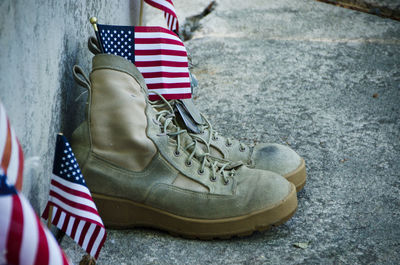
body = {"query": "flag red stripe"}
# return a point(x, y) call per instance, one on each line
point(77, 217)
point(161, 52)
point(100, 246)
point(80, 206)
point(166, 85)
point(93, 238)
point(83, 233)
point(74, 228)
point(14, 238)
point(70, 191)
point(157, 41)
point(42, 254)
point(66, 222)
point(56, 216)
point(165, 74)
point(170, 96)
point(161, 63)
point(45, 214)
point(143, 29)
point(165, 9)
point(7, 150)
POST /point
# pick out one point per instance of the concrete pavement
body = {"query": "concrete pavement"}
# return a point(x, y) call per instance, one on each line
point(326, 81)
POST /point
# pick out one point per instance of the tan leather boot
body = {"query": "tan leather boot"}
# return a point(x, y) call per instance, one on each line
point(143, 170)
point(277, 158)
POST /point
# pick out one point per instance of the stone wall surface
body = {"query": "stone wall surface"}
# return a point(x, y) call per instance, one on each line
point(40, 41)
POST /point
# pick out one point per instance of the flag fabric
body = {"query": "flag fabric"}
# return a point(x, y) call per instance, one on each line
point(158, 54)
point(11, 155)
point(169, 12)
point(74, 211)
point(23, 238)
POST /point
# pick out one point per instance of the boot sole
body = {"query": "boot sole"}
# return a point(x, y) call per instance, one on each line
point(298, 177)
point(119, 213)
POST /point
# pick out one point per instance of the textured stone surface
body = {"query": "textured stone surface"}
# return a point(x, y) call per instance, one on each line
point(40, 42)
point(301, 73)
point(384, 8)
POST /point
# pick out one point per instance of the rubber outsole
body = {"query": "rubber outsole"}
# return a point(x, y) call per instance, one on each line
point(298, 177)
point(120, 213)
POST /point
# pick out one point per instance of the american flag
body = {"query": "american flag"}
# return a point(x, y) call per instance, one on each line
point(23, 238)
point(11, 155)
point(169, 12)
point(158, 53)
point(74, 211)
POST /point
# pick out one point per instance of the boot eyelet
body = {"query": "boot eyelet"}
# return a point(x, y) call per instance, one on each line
point(177, 153)
point(215, 138)
point(228, 144)
point(200, 172)
point(242, 149)
point(213, 179)
point(226, 182)
point(188, 163)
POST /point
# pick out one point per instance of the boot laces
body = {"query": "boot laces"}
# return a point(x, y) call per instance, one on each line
point(165, 118)
point(213, 135)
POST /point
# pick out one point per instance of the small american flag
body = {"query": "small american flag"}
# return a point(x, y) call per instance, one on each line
point(23, 238)
point(11, 155)
point(74, 211)
point(158, 54)
point(169, 12)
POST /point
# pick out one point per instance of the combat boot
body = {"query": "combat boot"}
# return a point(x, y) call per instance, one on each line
point(143, 170)
point(277, 158)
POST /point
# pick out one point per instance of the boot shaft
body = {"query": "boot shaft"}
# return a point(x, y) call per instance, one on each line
point(117, 119)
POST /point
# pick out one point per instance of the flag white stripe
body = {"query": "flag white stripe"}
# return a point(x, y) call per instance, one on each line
point(12, 171)
point(79, 230)
point(61, 220)
point(30, 234)
point(156, 35)
point(160, 57)
point(165, 69)
point(88, 236)
point(171, 91)
point(167, 80)
point(53, 213)
point(55, 254)
point(3, 130)
point(5, 218)
point(70, 225)
point(76, 211)
point(159, 46)
point(71, 185)
point(97, 241)
point(165, 4)
point(73, 198)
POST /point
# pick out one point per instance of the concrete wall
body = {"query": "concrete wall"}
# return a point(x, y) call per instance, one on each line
point(40, 41)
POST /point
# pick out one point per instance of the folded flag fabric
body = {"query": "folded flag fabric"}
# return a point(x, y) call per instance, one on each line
point(158, 53)
point(169, 12)
point(11, 155)
point(23, 238)
point(74, 211)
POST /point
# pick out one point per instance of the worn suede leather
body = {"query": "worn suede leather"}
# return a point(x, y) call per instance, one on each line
point(150, 180)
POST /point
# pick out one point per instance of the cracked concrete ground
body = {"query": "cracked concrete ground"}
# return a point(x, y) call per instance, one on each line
point(324, 80)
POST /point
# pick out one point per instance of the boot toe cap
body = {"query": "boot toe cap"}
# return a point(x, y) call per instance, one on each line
point(278, 158)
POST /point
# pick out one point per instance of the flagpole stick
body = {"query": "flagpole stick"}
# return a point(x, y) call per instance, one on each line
point(50, 217)
point(141, 13)
point(93, 21)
